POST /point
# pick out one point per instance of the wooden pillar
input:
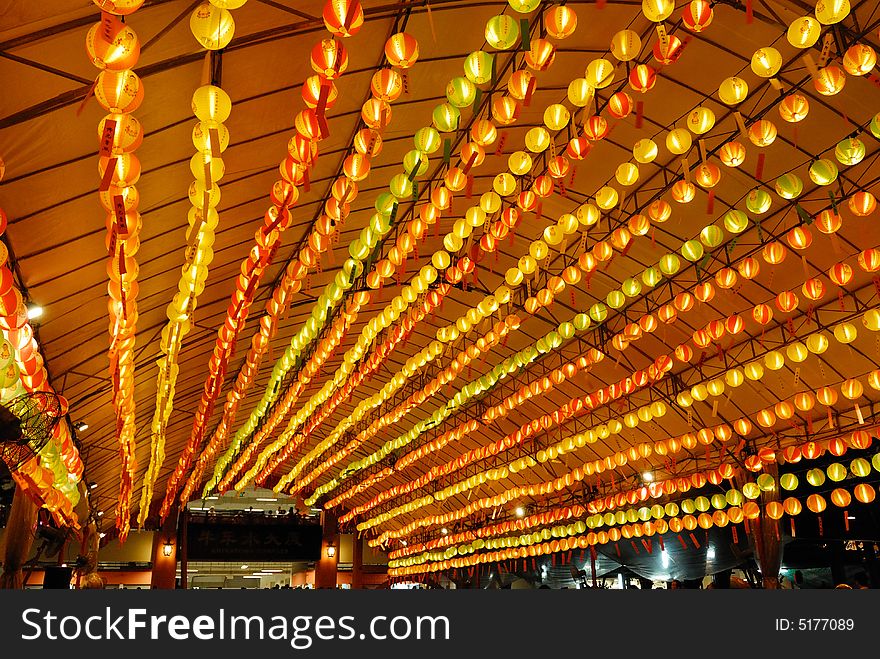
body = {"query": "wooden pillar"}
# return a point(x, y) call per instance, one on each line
point(164, 567)
point(325, 568)
point(357, 561)
point(20, 533)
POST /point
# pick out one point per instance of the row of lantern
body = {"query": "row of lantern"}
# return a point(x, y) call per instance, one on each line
point(50, 478)
point(766, 418)
point(211, 107)
point(859, 467)
point(113, 47)
point(386, 86)
point(482, 346)
point(864, 257)
point(733, 506)
point(344, 387)
point(598, 311)
point(319, 93)
point(427, 141)
point(461, 92)
point(329, 60)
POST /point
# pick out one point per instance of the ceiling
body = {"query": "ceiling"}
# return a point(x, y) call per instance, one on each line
point(57, 233)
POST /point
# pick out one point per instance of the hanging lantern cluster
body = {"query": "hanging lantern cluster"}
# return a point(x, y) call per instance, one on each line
point(52, 477)
point(113, 47)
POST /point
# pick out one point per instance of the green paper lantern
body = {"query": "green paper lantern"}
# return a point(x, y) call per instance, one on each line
point(692, 250)
point(598, 312)
point(524, 6)
point(850, 151)
point(427, 140)
point(502, 32)
point(631, 287)
point(669, 264)
point(758, 201)
point(446, 117)
point(711, 236)
point(823, 172)
point(651, 277)
point(788, 482)
point(736, 221)
point(615, 299)
point(789, 186)
point(415, 163)
point(400, 186)
point(461, 92)
point(478, 67)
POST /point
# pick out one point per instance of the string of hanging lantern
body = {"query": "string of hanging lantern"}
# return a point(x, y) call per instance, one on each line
point(113, 47)
point(51, 477)
point(461, 92)
point(330, 59)
point(213, 26)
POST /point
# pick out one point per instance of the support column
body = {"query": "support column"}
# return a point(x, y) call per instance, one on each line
point(184, 563)
point(20, 530)
point(357, 562)
point(164, 566)
point(325, 568)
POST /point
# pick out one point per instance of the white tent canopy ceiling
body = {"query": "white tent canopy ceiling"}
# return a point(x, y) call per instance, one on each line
point(510, 251)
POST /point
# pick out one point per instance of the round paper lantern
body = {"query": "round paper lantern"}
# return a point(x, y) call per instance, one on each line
point(859, 60)
point(813, 289)
point(311, 91)
point(212, 26)
point(667, 53)
point(483, 132)
point(823, 172)
point(329, 58)
point(119, 7)
point(707, 175)
point(817, 343)
point(343, 18)
point(478, 67)
point(816, 503)
point(683, 192)
point(659, 211)
point(368, 142)
point(128, 133)
point(762, 133)
point(540, 55)
point(387, 85)
point(402, 50)
point(111, 44)
point(864, 493)
point(446, 117)
point(625, 45)
point(627, 174)
point(560, 22)
point(678, 141)
point(794, 108)
point(830, 80)
point(732, 154)
point(504, 109)
point(789, 186)
point(804, 32)
point(830, 12)
point(642, 78)
point(120, 92)
point(580, 92)
point(758, 201)
point(607, 197)
point(578, 148)
point(556, 117)
point(658, 11)
point(845, 332)
point(620, 105)
point(596, 127)
point(502, 32)
point(850, 151)
point(766, 62)
point(862, 203)
point(599, 73)
point(828, 222)
point(697, 15)
point(645, 150)
point(733, 90)
point(524, 6)
point(701, 120)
